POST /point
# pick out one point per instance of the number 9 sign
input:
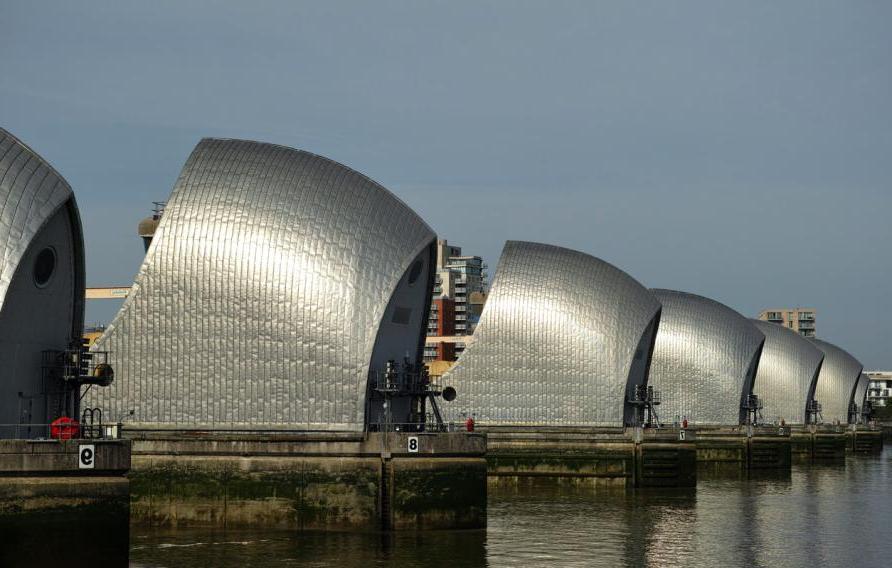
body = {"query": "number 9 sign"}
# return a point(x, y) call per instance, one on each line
point(86, 458)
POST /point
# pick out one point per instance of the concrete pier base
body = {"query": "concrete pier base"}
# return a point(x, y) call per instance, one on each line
point(744, 448)
point(666, 458)
point(57, 476)
point(310, 481)
point(590, 456)
point(864, 440)
point(801, 443)
point(822, 443)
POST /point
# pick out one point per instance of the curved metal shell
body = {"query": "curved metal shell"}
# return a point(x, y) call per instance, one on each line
point(859, 394)
point(275, 281)
point(38, 214)
point(705, 360)
point(788, 370)
point(31, 192)
point(562, 339)
point(839, 375)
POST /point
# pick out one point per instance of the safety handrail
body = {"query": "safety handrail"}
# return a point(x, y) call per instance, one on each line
point(71, 431)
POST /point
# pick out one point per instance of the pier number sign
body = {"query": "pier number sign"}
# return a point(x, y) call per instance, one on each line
point(413, 444)
point(86, 458)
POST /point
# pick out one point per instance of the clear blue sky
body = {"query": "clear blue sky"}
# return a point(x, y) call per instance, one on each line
point(740, 150)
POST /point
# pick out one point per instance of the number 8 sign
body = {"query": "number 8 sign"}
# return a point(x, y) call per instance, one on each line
point(413, 444)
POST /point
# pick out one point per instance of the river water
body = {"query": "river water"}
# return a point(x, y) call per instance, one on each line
point(816, 516)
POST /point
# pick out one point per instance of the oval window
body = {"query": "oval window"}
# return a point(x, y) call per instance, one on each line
point(44, 266)
point(415, 271)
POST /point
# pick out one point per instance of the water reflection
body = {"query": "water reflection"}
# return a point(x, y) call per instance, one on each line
point(818, 515)
point(87, 537)
point(578, 526)
point(277, 548)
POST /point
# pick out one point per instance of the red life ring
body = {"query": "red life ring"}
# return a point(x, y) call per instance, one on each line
point(64, 428)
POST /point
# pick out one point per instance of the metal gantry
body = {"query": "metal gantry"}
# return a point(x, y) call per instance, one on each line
point(407, 381)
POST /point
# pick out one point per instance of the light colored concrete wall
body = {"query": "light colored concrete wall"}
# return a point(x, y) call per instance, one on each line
point(60, 457)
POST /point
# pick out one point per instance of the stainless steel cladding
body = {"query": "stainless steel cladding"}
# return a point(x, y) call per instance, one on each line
point(277, 280)
point(41, 281)
point(563, 339)
point(788, 371)
point(837, 378)
point(705, 360)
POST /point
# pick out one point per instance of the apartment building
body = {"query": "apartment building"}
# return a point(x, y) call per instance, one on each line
point(879, 389)
point(458, 298)
point(800, 320)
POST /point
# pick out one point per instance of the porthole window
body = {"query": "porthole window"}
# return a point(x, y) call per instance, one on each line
point(415, 271)
point(44, 267)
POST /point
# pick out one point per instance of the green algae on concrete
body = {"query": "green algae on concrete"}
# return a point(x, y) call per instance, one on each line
point(747, 448)
point(304, 492)
point(53, 495)
point(801, 445)
point(548, 462)
point(590, 456)
point(823, 442)
point(45, 476)
point(722, 449)
point(766, 452)
point(829, 446)
point(864, 440)
point(428, 494)
point(318, 481)
point(662, 464)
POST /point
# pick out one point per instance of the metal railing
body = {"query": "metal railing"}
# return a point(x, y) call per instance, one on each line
point(813, 414)
point(76, 431)
point(411, 427)
point(645, 399)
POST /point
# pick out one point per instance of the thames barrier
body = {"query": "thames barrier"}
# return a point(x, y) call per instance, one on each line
point(265, 369)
